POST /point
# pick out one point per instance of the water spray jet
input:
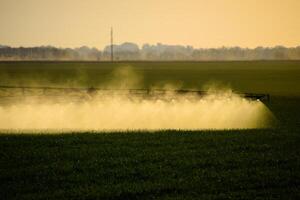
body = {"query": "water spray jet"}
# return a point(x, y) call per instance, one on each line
point(131, 109)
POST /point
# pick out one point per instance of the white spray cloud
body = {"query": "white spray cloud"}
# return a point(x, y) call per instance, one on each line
point(109, 112)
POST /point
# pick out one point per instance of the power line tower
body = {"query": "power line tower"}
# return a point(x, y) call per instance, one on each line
point(111, 44)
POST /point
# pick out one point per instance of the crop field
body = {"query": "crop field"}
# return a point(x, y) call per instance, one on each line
point(162, 164)
point(273, 77)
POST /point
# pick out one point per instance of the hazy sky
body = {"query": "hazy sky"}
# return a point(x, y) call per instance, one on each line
point(201, 23)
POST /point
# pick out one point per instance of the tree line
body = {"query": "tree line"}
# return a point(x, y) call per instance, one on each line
point(158, 52)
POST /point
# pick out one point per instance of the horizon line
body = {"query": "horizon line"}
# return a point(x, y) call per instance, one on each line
point(151, 44)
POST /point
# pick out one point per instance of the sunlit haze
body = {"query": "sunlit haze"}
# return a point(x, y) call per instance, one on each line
point(200, 23)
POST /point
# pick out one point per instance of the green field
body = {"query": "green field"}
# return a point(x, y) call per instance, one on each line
point(236, 164)
point(273, 77)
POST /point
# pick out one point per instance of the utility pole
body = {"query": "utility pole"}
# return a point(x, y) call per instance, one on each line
point(111, 44)
point(31, 53)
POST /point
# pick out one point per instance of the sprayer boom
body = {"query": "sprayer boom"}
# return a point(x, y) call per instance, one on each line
point(19, 91)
